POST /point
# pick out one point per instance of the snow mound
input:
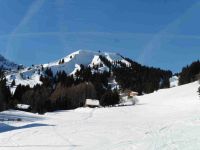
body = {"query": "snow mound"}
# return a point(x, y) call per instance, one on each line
point(173, 81)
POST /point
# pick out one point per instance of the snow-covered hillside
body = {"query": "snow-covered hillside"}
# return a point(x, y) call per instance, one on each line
point(71, 64)
point(7, 65)
point(168, 119)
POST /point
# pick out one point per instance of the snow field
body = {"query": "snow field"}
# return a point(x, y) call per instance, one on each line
point(168, 119)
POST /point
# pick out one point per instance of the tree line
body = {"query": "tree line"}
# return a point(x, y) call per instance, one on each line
point(190, 73)
point(5, 93)
point(64, 91)
point(61, 91)
point(137, 77)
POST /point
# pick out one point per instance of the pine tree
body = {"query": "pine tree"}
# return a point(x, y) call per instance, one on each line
point(49, 72)
point(63, 61)
point(5, 94)
point(42, 68)
point(13, 83)
point(110, 98)
point(189, 73)
point(20, 90)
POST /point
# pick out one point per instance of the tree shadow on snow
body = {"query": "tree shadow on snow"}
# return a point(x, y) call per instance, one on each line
point(5, 127)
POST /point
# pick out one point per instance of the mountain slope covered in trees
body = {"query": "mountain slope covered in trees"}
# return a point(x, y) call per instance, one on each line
point(70, 64)
point(97, 62)
point(190, 73)
point(68, 82)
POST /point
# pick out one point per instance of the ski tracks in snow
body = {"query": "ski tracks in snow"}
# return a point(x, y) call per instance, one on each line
point(90, 115)
point(61, 123)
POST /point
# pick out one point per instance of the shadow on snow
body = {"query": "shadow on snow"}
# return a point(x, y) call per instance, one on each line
point(5, 127)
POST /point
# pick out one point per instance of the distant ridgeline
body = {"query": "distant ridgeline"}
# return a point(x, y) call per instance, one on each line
point(68, 90)
point(7, 65)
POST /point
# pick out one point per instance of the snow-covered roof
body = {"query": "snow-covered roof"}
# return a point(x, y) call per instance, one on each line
point(92, 102)
point(23, 106)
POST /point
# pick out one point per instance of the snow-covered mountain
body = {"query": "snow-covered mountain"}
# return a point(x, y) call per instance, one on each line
point(70, 64)
point(73, 61)
point(7, 65)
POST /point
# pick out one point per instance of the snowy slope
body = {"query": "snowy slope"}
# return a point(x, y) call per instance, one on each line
point(72, 62)
point(168, 119)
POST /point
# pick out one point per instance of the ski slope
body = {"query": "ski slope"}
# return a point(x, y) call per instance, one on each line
point(168, 119)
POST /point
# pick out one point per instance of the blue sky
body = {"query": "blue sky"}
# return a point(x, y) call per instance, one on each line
point(160, 33)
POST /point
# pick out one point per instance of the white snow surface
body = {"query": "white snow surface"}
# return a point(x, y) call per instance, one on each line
point(168, 119)
point(92, 102)
point(173, 81)
point(84, 57)
point(31, 75)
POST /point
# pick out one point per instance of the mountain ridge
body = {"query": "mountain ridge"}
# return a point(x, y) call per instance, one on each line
point(128, 73)
point(7, 65)
point(70, 64)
